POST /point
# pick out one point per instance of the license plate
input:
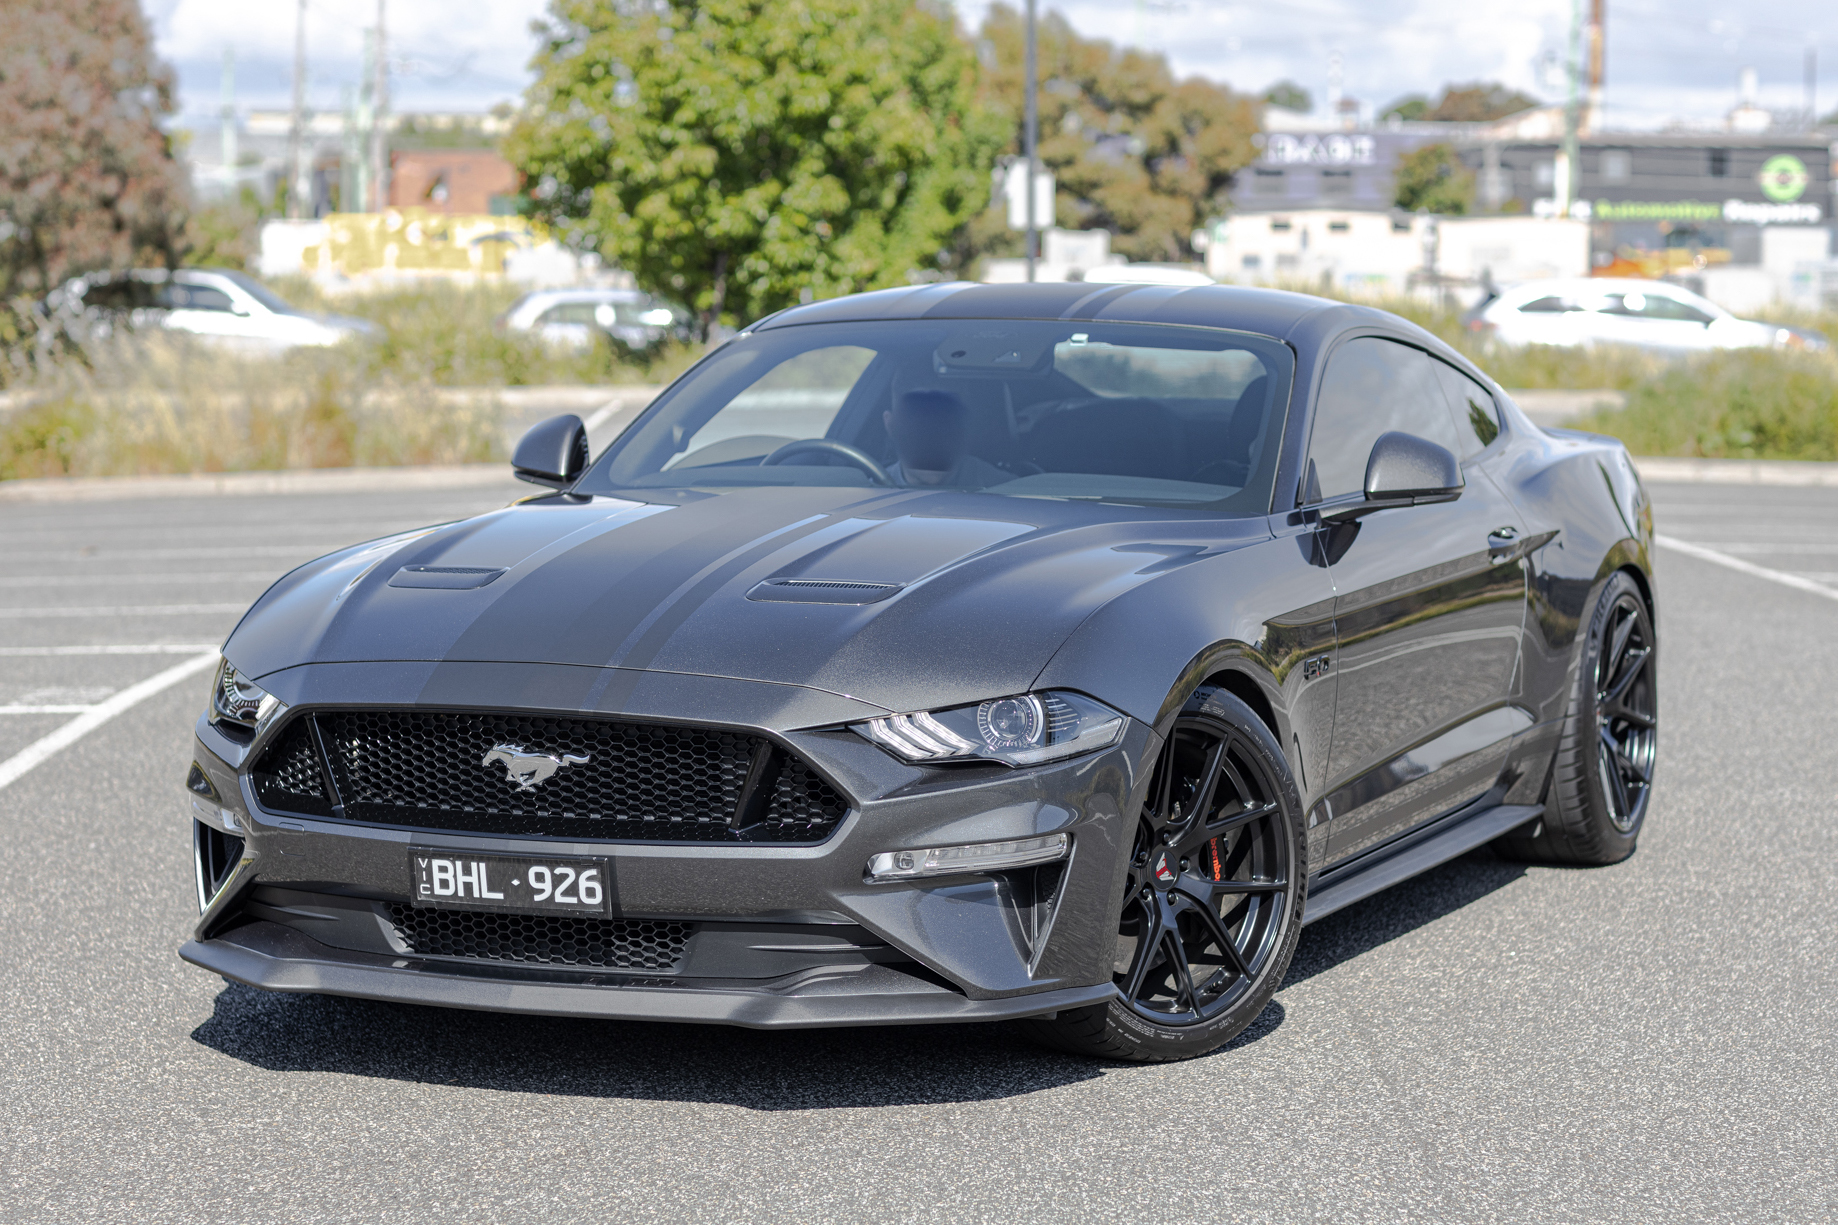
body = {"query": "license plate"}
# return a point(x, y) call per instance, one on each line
point(527, 885)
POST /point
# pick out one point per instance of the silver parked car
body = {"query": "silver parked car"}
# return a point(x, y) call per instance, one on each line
point(217, 305)
point(578, 318)
point(1581, 311)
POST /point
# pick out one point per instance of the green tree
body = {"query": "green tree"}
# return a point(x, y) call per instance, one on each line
point(1289, 96)
point(739, 154)
point(1480, 102)
point(87, 178)
point(1134, 150)
point(1433, 179)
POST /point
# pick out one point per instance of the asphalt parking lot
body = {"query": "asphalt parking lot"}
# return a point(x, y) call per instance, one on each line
point(1490, 1042)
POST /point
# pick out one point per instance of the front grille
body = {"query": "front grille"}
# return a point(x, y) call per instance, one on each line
point(618, 780)
point(554, 940)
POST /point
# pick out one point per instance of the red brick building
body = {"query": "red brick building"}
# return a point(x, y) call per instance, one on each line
point(449, 180)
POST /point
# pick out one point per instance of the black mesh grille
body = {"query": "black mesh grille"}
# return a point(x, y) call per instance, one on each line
point(566, 940)
point(645, 782)
point(289, 778)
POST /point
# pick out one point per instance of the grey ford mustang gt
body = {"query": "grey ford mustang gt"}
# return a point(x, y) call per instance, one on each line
point(1049, 653)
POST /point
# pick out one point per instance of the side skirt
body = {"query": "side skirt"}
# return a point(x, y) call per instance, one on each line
point(1384, 867)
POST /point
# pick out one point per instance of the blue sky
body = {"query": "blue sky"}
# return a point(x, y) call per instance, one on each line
point(1667, 59)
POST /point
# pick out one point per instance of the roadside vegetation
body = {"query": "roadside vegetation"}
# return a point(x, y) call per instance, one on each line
point(1736, 404)
point(145, 404)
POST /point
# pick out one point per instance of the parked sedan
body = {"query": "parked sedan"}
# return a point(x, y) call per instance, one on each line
point(1052, 655)
point(1602, 310)
point(217, 305)
point(578, 319)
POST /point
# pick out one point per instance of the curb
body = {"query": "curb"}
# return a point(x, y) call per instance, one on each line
point(255, 484)
point(1803, 472)
point(1655, 469)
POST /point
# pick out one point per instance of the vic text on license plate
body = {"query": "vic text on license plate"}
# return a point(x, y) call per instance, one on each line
point(503, 882)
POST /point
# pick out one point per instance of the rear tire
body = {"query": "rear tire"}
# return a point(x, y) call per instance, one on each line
point(1602, 778)
point(1213, 901)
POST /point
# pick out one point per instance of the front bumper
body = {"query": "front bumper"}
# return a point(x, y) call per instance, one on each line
point(781, 935)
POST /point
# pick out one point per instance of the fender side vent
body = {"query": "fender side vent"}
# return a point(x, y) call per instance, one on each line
point(821, 591)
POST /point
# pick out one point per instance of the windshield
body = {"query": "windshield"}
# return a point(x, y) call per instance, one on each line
point(1132, 413)
point(260, 292)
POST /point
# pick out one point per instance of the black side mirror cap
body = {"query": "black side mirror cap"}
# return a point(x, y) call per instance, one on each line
point(552, 453)
point(1404, 470)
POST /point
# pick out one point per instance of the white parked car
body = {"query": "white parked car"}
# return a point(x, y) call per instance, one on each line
point(578, 318)
point(217, 305)
point(1583, 311)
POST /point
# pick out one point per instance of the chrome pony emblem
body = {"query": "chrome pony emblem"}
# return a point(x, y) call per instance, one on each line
point(528, 770)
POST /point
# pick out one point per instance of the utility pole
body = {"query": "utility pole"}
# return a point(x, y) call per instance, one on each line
point(299, 197)
point(1598, 33)
point(379, 130)
point(1812, 84)
point(226, 118)
point(1030, 138)
point(1568, 157)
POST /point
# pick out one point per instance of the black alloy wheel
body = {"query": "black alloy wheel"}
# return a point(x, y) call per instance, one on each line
point(1626, 715)
point(1213, 893)
point(1602, 779)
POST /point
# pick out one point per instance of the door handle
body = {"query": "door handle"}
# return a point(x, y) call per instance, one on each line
point(1502, 544)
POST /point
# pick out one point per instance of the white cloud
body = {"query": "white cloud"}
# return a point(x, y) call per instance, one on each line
point(1665, 59)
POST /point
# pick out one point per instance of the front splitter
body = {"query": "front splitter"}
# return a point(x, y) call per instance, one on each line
point(277, 958)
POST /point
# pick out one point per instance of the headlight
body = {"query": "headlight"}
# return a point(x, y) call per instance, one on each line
point(1023, 730)
point(240, 702)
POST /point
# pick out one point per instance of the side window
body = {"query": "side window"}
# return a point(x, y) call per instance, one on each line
point(1373, 386)
point(1477, 419)
point(178, 296)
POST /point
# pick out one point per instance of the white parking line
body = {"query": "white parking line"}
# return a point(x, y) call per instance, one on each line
point(43, 748)
point(128, 610)
point(1796, 581)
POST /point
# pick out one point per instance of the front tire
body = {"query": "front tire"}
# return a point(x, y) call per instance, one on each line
point(1602, 779)
point(1213, 900)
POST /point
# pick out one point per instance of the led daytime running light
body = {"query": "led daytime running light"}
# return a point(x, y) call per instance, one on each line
point(962, 860)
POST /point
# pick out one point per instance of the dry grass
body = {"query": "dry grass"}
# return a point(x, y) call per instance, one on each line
point(164, 403)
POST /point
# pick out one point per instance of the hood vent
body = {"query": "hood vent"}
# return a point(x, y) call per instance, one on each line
point(821, 591)
point(445, 578)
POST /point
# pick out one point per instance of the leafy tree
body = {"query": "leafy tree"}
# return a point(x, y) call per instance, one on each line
point(1289, 96)
point(1433, 179)
point(1134, 151)
point(87, 178)
point(1410, 108)
point(741, 153)
point(1481, 102)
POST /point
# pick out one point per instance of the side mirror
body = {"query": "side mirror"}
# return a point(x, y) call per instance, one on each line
point(1404, 470)
point(552, 453)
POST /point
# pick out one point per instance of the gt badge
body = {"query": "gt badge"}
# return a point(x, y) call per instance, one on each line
point(1164, 871)
point(529, 770)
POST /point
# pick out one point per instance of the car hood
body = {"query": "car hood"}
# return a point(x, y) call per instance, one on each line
point(954, 596)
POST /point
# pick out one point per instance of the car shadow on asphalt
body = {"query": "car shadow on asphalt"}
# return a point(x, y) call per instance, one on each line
point(754, 1069)
point(1399, 910)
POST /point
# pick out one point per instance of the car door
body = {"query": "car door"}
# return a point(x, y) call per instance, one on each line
point(203, 311)
point(1429, 607)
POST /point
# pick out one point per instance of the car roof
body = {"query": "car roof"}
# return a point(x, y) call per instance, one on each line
point(584, 294)
point(1271, 312)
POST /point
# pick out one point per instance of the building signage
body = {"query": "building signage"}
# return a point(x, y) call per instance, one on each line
point(1742, 212)
point(1334, 149)
point(1783, 178)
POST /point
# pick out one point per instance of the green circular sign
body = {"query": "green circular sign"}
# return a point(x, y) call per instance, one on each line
point(1783, 178)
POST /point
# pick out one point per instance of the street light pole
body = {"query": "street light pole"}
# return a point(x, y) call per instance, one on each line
point(1031, 139)
point(299, 196)
point(379, 131)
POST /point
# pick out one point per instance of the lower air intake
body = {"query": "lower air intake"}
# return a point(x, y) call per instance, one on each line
point(555, 940)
